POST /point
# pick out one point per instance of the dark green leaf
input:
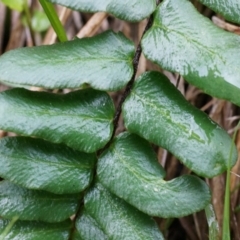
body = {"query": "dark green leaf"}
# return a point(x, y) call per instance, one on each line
point(130, 170)
point(24, 230)
point(88, 228)
point(157, 111)
point(37, 164)
point(35, 205)
point(230, 9)
point(104, 62)
point(81, 119)
point(183, 41)
point(113, 218)
point(134, 10)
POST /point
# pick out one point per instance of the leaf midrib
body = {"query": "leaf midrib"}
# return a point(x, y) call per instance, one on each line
point(53, 229)
point(37, 160)
point(52, 113)
point(33, 197)
point(75, 60)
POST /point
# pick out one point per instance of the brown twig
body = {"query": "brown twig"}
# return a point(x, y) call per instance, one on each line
point(226, 26)
point(92, 26)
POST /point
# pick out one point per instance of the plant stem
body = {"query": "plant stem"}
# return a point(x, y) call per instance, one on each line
point(226, 222)
point(54, 20)
point(131, 82)
point(212, 223)
point(128, 87)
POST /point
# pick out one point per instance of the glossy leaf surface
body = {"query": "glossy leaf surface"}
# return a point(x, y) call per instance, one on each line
point(35, 205)
point(81, 119)
point(112, 218)
point(25, 230)
point(134, 10)
point(37, 164)
point(88, 229)
point(71, 64)
point(157, 111)
point(230, 9)
point(130, 170)
point(191, 45)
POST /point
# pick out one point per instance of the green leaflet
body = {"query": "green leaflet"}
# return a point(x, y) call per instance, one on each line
point(230, 9)
point(88, 229)
point(112, 218)
point(24, 230)
point(35, 205)
point(37, 164)
point(157, 111)
point(134, 10)
point(81, 119)
point(103, 61)
point(129, 169)
point(191, 45)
